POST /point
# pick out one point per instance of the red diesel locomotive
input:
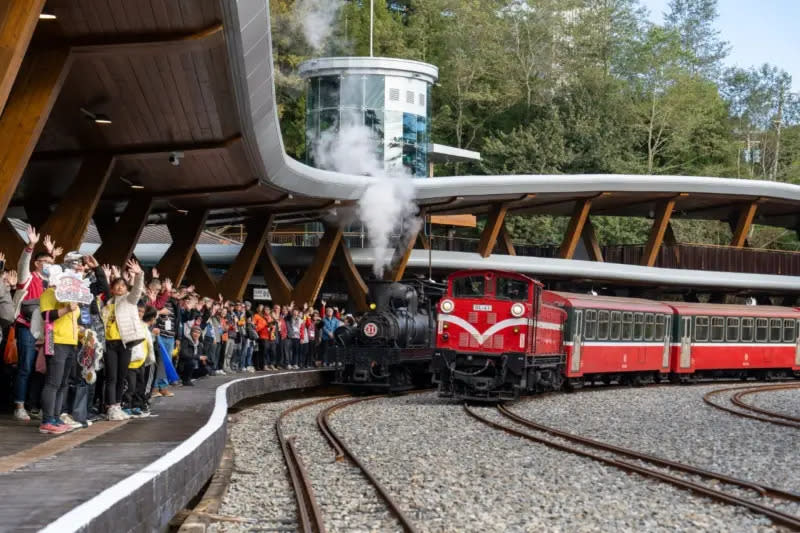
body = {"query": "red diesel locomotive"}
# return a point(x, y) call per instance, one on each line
point(500, 334)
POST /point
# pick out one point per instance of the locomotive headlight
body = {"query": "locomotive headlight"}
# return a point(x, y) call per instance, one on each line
point(372, 306)
point(447, 306)
point(518, 309)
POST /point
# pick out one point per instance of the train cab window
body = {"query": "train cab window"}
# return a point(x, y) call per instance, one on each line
point(616, 325)
point(789, 331)
point(717, 329)
point(775, 330)
point(701, 328)
point(732, 329)
point(638, 326)
point(762, 329)
point(627, 326)
point(649, 327)
point(747, 330)
point(511, 289)
point(469, 287)
point(590, 326)
point(661, 327)
point(602, 325)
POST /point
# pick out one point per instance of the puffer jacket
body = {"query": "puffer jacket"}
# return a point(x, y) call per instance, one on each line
point(127, 312)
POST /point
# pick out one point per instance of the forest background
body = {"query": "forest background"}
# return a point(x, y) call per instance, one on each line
point(572, 86)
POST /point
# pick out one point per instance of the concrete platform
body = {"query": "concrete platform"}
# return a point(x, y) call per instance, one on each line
point(132, 476)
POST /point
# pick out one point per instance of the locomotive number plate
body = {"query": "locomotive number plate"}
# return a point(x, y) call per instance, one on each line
point(481, 307)
point(370, 329)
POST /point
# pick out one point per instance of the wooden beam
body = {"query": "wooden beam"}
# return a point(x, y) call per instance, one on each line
point(185, 231)
point(425, 242)
point(506, 242)
point(10, 243)
point(494, 221)
point(743, 225)
point(118, 243)
point(142, 151)
point(155, 44)
point(656, 238)
point(36, 211)
point(671, 240)
point(234, 282)
point(279, 287)
point(590, 241)
point(68, 222)
point(356, 288)
point(575, 228)
point(310, 284)
point(18, 19)
point(399, 268)
point(198, 275)
point(35, 91)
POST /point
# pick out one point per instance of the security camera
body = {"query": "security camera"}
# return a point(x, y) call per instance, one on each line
point(175, 158)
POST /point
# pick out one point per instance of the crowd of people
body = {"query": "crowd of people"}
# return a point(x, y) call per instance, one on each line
point(84, 342)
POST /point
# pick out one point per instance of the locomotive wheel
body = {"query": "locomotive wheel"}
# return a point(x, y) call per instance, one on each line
point(606, 379)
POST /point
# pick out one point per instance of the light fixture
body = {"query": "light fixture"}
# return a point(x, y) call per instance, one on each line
point(517, 309)
point(46, 16)
point(447, 306)
point(131, 181)
point(179, 211)
point(97, 118)
point(175, 158)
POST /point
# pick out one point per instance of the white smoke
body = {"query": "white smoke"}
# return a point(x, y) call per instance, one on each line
point(386, 207)
point(317, 19)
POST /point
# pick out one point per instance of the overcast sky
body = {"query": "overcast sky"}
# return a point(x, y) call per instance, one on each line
point(759, 31)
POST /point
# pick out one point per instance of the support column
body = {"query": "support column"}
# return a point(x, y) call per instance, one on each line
point(117, 246)
point(399, 268)
point(279, 287)
point(185, 231)
point(10, 243)
point(234, 282)
point(506, 242)
point(575, 228)
point(590, 241)
point(37, 86)
point(310, 284)
point(18, 19)
point(656, 238)
point(671, 240)
point(494, 221)
point(356, 288)
point(743, 225)
point(198, 275)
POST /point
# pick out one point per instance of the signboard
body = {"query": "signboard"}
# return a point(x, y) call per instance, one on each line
point(261, 294)
point(481, 307)
point(70, 288)
point(370, 329)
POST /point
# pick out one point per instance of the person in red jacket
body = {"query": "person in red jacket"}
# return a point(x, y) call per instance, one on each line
point(260, 323)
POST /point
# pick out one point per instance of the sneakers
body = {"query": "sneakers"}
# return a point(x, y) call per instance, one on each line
point(49, 428)
point(58, 422)
point(115, 412)
point(35, 414)
point(166, 393)
point(188, 384)
point(156, 394)
point(251, 369)
point(21, 414)
point(136, 413)
point(221, 373)
point(69, 421)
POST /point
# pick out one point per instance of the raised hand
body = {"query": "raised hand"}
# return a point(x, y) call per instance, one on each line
point(107, 272)
point(115, 271)
point(133, 267)
point(57, 251)
point(154, 273)
point(11, 277)
point(91, 262)
point(33, 237)
point(167, 284)
point(49, 244)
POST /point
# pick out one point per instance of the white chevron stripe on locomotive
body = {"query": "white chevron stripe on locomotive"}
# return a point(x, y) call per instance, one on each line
point(477, 335)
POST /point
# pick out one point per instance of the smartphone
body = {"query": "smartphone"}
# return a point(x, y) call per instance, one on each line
point(2, 266)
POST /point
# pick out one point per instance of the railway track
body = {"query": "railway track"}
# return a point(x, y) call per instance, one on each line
point(309, 511)
point(654, 467)
point(747, 410)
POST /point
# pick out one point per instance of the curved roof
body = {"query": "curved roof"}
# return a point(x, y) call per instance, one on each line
point(610, 302)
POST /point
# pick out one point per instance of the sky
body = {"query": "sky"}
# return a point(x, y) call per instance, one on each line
point(758, 31)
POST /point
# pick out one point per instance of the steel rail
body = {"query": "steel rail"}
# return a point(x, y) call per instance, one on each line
point(736, 399)
point(773, 514)
point(707, 399)
point(342, 451)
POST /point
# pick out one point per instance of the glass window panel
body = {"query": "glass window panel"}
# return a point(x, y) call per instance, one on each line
point(762, 329)
point(701, 328)
point(717, 329)
point(590, 327)
point(661, 327)
point(328, 120)
point(747, 330)
point(409, 128)
point(329, 92)
point(638, 326)
point(312, 94)
point(627, 326)
point(511, 289)
point(789, 331)
point(352, 117)
point(469, 287)
point(775, 330)
point(649, 326)
point(352, 91)
point(374, 92)
point(602, 325)
point(732, 335)
point(616, 325)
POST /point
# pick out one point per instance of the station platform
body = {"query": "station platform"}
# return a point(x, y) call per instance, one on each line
point(133, 475)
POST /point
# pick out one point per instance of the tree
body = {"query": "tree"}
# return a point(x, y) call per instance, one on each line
point(693, 21)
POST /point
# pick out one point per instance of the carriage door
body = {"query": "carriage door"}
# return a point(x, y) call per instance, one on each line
point(797, 346)
point(577, 342)
point(686, 343)
point(667, 339)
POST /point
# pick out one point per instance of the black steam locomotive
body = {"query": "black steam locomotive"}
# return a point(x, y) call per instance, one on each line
point(390, 348)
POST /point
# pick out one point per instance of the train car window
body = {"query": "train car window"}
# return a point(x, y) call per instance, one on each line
point(511, 289)
point(775, 330)
point(701, 328)
point(590, 325)
point(661, 327)
point(638, 326)
point(616, 325)
point(762, 331)
point(788, 330)
point(717, 329)
point(469, 287)
point(627, 326)
point(732, 327)
point(602, 325)
point(649, 326)
point(747, 330)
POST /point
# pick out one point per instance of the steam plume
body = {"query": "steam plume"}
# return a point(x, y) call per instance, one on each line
point(317, 19)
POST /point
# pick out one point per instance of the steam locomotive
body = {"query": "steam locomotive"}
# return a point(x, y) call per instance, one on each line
point(389, 349)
